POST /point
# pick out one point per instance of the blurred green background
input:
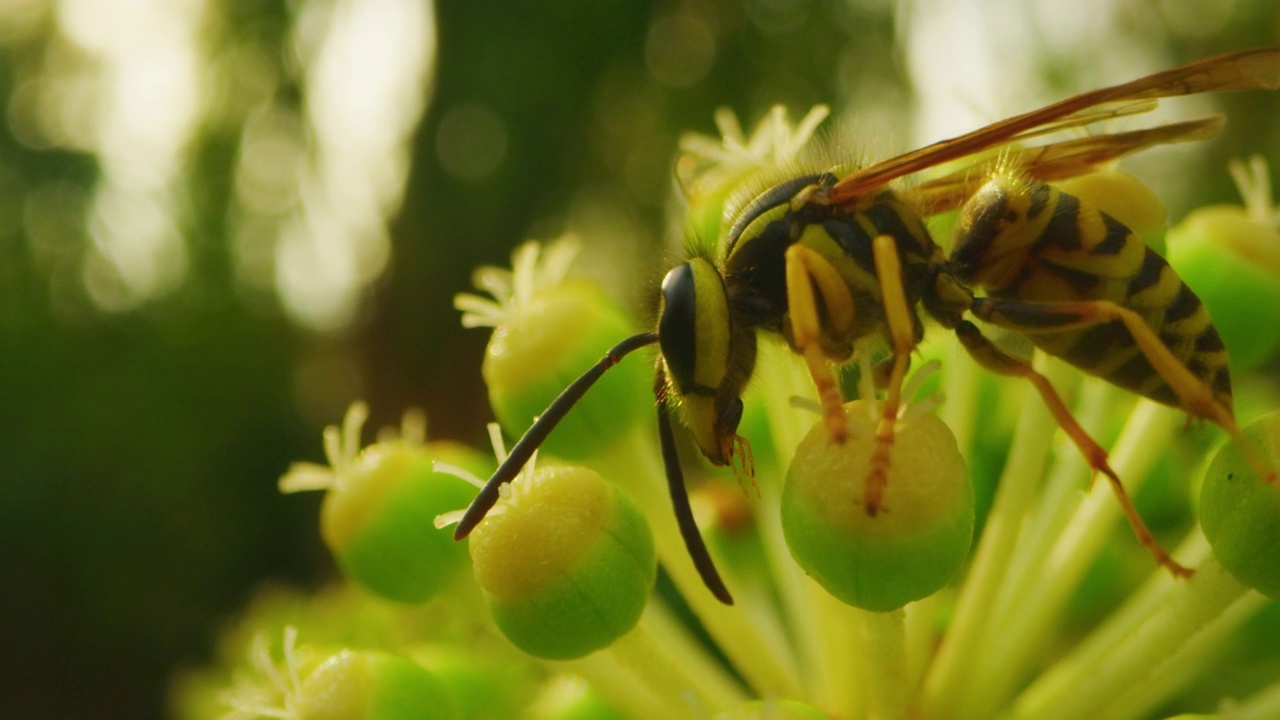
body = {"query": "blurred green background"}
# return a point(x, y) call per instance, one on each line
point(220, 222)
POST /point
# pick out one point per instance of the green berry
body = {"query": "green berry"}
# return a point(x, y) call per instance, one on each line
point(913, 546)
point(1240, 510)
point(542, 346)
point(566, 563)
point(379, 520)
point(1233, 264)
point(366, 685)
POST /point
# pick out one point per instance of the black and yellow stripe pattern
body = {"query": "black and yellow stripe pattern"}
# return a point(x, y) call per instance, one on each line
point(754, 269)
point(1036, 246)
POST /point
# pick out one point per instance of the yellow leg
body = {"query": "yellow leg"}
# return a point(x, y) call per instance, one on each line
point(805, 270)
point(902, 333)
point(992, 358)
point(1196, 397)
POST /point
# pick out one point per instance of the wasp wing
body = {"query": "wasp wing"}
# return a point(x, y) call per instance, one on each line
point(1246, 70)
point(1058, 161)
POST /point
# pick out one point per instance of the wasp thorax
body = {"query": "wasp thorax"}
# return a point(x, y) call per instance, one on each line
point(996, 226)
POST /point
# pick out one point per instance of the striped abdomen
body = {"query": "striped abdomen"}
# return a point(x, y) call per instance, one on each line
point(1030, 242)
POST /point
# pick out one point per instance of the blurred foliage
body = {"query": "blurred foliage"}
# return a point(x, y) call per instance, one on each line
point(143, 434)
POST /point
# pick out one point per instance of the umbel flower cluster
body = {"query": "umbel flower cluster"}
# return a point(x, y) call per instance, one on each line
point(1000, 582)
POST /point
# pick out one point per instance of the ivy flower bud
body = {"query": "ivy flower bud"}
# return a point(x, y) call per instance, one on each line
point(379, 522)
point(380, 505)
point(367, 685)
point(548, 330)
point(1240, 510)
point(1230, 255)
point(541, 350)
point(911, 548)
point(566, 562)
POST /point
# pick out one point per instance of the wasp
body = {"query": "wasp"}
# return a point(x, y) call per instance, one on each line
point(831, 260)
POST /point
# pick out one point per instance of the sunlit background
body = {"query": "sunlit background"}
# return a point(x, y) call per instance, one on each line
point(220, 222)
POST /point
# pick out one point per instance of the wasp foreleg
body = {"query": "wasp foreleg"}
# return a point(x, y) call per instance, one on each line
point(807, 269)
point(992, 358)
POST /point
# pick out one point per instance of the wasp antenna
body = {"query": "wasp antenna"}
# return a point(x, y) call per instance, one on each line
point(693, 542)
point(541, 428)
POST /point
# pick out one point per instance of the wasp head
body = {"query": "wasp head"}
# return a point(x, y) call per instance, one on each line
point(706, 363)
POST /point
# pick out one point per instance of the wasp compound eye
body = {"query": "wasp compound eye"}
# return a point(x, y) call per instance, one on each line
point(677, 325)
point(694, 328)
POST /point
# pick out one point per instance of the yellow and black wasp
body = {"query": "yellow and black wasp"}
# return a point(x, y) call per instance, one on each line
point(829, 260)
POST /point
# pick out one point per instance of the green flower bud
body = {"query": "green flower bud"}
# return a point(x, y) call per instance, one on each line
point(543, 346)
point(566, 562)
point(365, 685)
point(917, 542)
point(481, 682)
point(1240, 510)
point(1233, 264)
point(772, 710)
point(379, 520)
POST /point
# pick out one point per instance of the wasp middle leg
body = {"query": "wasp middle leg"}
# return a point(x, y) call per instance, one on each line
point(903, 337)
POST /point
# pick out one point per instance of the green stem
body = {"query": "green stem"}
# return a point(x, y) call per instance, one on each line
point(844, 663)
point(961, 384)
point(1200, 654)
point(656, 652)
point(1083, 684)
point(817, 620)
point(765, 663)
point(885, 637)
point(1027, 626)
point(949, 681)
point(1264, 705)
point(795, 592)
point(922, 637)
point(1060, 493)
point(1002, 664)
point(607, 674)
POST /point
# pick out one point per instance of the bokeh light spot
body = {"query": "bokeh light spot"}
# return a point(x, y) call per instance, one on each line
point(471, 142)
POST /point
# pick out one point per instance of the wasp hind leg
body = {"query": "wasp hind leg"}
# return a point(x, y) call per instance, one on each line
point(992, 358)
point(1195, 396)
point(806, 270)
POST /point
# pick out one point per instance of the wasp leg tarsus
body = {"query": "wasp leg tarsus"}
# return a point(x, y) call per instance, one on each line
point(1027, 317)
point(902, 333)
point(1195, 396)
point(992, 358)
point(806, 269)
